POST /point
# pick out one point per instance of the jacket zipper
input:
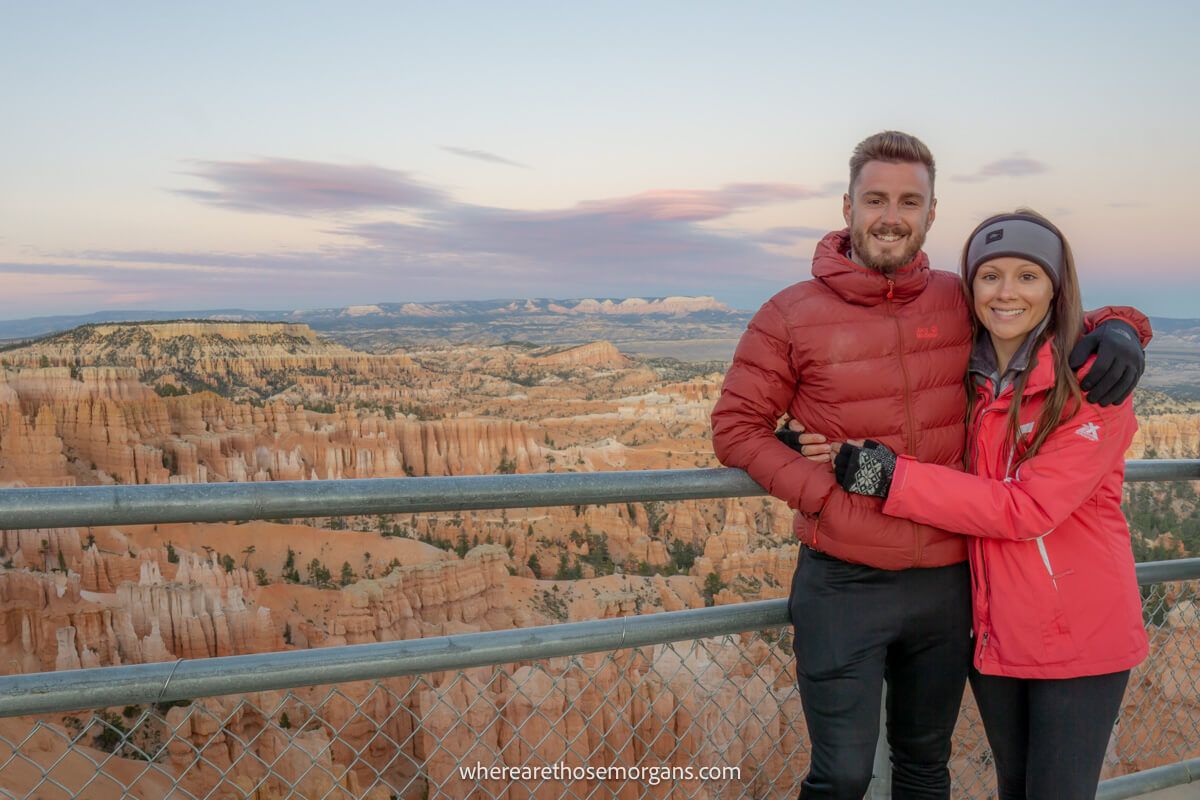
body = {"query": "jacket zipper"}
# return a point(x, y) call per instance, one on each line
point(976, 446)
point(1041, 546)
point(975, 436)
point(987, 591)
point(974, 442)
point(908, 412)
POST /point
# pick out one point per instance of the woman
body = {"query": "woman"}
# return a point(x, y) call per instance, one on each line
point(1057, 612)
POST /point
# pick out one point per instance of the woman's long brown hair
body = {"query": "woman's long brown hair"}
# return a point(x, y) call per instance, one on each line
point(1063, 331)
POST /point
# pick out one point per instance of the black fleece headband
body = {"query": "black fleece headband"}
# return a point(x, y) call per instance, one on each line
point(1019, 236)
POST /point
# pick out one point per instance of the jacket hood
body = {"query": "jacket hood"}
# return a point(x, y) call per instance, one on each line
point(860, 285)
point(984, 364)
point(1045, 373)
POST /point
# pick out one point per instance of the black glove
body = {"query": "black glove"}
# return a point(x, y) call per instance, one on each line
point(865, 470)
point(1119, 363)
point(790, 438)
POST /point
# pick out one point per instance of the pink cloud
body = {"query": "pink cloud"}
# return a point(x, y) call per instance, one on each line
point(695, 205)
point(1016, 166)
point(290, 186)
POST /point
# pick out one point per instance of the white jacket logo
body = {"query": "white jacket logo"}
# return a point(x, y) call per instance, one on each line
point(1089, 431)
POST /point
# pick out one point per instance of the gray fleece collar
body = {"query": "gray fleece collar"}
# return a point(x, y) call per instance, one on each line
point(985, 366)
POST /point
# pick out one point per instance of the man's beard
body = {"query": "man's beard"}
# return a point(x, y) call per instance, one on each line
point(862, 240)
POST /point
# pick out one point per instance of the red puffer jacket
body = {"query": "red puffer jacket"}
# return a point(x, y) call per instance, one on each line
point(1055, 594)
point(853, 354)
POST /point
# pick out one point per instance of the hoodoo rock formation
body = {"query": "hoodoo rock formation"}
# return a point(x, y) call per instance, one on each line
point(105, 426)
point(1167, 436)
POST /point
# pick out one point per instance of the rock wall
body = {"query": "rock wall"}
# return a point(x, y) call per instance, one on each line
point(593, 354)
point(1168, 436)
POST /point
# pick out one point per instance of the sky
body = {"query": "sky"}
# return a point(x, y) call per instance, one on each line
point(309, 155)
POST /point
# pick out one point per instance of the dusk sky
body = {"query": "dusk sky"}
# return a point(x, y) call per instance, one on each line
point(303, 155)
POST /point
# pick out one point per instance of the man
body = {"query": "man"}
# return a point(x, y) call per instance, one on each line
point(875, 346)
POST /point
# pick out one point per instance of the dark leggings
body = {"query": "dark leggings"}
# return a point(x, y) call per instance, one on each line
point(854, 625)
point(1048, 737)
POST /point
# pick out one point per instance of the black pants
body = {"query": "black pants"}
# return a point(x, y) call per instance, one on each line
point(854, 626)
point(1048, 737)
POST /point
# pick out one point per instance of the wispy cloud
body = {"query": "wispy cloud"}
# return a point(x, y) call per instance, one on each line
point(661, 241)
point(484, 155)
point(290, 186)
point(1016, 166)
point(648, 236)
point(691, 205)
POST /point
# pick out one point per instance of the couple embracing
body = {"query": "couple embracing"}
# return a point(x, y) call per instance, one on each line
point(957, 494)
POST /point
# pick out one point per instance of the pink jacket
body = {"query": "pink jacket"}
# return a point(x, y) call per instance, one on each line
point(1055, 594)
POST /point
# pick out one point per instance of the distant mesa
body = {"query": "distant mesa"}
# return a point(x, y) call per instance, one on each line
point(358, 311)
point(594, 354)
point(676, 306)
point(418, 310)
point(356, 316)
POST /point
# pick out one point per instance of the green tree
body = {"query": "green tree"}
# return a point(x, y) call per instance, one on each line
point(318, 574)
point(348, 575)
point(656, 514)
point(290, 573)
point(568, 572)
point(683, 554)
point(712, 586)
point(112, 733)
point(598, 556)
point(534, 566)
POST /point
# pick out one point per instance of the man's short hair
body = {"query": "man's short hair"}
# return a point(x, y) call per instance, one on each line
point(892, 147)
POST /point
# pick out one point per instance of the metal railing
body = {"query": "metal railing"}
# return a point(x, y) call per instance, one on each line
point(614, 693)
point(64, 507)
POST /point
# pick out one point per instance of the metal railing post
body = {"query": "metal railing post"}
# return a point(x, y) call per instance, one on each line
point(881, 781)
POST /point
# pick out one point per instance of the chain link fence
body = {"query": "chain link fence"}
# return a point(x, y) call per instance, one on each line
point(702, 718)
point(667, 715)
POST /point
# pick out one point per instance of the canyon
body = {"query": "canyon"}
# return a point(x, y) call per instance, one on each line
point(216, 401)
